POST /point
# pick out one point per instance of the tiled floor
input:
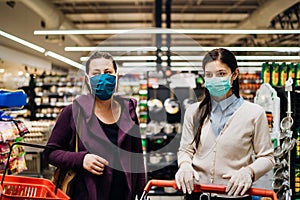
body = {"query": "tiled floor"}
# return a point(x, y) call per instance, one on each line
point(264, 182)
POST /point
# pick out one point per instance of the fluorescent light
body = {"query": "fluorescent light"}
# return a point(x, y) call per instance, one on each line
point(201, 49)
point(65, 60)
point(197, 58)
point(126, 58)
point(164, 31)
point(268, 58)
point(23, 42)
point(137, 69)
point(182, 64)
point(182, 48)
point(250, 64)
point(111, 48)
point(186, 69)
point(139, 64)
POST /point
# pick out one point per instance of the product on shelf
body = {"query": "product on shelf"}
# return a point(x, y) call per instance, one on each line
point(275, 74)
point(266, 73)
point(249, 84)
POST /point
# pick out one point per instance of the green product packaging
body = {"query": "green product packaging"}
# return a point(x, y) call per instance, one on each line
point(283, 73)
point(297, 75)
point(275, 74)
point(266, 72)
point(292, 70)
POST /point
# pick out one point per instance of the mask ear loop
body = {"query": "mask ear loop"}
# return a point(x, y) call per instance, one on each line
point(87, 82)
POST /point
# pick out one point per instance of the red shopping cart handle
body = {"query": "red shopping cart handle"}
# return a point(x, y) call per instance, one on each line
point(209, 188)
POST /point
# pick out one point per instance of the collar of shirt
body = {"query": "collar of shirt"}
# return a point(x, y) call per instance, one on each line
point(224, 104)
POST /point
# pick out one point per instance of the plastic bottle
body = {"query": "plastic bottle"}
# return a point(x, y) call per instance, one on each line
point(266, 72)
point(292, 70)
point(298, 74)
point(283, 73)
point(275, 74)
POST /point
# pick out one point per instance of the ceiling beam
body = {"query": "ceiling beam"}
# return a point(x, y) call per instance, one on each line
point(260, 18)
point(54, 18)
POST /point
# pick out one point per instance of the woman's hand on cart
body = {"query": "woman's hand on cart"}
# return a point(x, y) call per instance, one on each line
point(185, 177)
point(239, 182)
point(219, 189)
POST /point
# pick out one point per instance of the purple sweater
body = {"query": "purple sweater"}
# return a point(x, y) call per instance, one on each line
point(93, 140)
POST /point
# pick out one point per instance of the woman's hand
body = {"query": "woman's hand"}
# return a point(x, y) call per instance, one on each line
point(94, 164)
point(239, 182)
point(185, 177)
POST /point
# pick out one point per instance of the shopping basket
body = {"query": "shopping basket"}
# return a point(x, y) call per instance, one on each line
point(220, 189)
point(29, 188)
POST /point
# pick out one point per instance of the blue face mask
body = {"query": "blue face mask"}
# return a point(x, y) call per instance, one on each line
point(218, 87)
point(103, 85)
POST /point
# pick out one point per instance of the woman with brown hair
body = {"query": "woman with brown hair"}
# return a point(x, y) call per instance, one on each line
point(109, 163)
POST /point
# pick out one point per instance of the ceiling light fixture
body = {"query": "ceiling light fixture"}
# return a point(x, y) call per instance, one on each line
point(183, 64)
point(65, 60)
point(111, 48)
point(182, 48)
point(164, 31)
point(273, 58)
point(201, 48)
point(23, 42)
point(42, 50)
point(198, 58)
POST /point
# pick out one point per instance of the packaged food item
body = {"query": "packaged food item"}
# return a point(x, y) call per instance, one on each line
point(8, 131)
point(283, 73)
point(17, 162)
point(21, 127)
point(266, 72)
point(4, 150)
point(298, 74)
point(275, 74)
point(292, 70)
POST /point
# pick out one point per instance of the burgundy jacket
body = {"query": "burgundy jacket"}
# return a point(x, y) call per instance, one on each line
point(94, 140)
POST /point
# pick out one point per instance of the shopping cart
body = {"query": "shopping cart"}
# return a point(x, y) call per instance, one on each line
point(220, 189)
point(29, 188)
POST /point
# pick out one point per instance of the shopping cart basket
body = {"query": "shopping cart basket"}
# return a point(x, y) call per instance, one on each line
point(29, 188)
point(220, 189)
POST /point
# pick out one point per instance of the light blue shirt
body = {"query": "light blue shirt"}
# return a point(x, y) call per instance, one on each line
point(222, 111)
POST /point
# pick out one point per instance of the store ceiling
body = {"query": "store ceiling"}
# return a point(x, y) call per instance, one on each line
point(135, 14)
point(188, 14)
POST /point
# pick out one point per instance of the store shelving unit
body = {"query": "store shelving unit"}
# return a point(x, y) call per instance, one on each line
point(53, 93)
point(163, 128)
point(249, 83)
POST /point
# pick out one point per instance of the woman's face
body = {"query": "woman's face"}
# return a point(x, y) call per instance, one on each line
point(217, 75)
point(101, 66)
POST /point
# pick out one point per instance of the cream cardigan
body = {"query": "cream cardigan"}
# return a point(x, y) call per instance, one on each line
point(245, 134)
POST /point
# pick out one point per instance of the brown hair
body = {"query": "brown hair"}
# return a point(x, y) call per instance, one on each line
point(227, 57)
point(98, 54)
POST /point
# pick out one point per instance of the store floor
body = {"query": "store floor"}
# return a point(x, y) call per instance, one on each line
point(264, 182)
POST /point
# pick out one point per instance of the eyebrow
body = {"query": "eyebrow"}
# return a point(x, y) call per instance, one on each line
point(221, 70)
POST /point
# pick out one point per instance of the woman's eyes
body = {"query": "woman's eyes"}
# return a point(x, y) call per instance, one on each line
point(107, 72)
point(219, 74)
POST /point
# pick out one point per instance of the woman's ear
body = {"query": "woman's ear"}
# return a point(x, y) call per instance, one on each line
point(87, 82)
point(235, 73)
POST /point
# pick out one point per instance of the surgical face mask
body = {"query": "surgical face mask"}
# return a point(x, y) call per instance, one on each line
point(103, 85)
point(218, 86)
